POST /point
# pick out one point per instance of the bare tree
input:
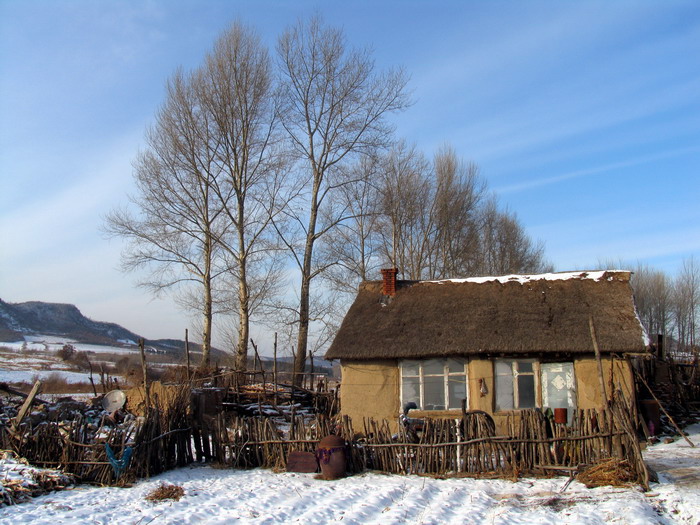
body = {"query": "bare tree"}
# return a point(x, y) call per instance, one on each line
point(208, 185)
point(334, 104)
point(686, 304)
point(236, 93)
point(175, 231)
point(459, 193)
point(505, 246)
point(653, 297)
point(354, 244)
point(406, 203)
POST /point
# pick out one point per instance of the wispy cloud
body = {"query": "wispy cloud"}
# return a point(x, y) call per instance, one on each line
point(628, 234)
point(595, 170)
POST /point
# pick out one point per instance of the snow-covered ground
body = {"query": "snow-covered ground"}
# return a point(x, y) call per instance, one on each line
point(38, 357)
point(262, 496)
point(29, 376)
point(54, 344)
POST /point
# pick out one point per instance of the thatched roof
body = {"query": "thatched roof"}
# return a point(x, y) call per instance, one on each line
point(492, 315)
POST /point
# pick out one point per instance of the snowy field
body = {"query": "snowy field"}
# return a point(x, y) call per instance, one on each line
point(29, 376)
point(38, 357)
point(54, 344)
point(264, 497)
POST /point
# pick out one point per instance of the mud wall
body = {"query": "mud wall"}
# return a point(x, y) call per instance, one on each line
point(369, 389)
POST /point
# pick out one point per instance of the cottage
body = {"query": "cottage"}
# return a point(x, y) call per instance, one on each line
point(502, 343)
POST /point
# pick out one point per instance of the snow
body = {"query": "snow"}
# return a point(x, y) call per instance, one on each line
point(51, 339)
point(523, 279)
point(29, 376)
point(47, 346)
point(264, 497)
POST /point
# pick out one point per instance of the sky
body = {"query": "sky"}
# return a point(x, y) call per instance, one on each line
point(583, 117)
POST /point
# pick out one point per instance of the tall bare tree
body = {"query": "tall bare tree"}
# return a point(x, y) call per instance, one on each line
point(236, 94)
point(333, 108)
point(208, 184)
point(175, 224)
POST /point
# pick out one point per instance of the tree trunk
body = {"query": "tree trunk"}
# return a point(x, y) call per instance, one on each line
point(207, 309)
point(305, 291)
point(243, 322)
point(303, 335)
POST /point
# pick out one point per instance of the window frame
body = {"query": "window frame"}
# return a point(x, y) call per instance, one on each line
point(447, 376)
point(515, 373)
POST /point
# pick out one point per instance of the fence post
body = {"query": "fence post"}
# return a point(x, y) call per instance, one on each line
point(146, 392)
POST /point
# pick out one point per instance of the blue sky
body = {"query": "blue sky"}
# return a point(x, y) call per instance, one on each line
point(583, 116)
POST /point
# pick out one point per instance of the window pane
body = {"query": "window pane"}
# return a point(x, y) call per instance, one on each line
point(526, 391)
point(455, 366)
point(410, 391)
point(504, 385)
point(457, 389)
point(434, 393)
point(409, 368)
point(504, 368)
point(524, 367)
point(434, 366)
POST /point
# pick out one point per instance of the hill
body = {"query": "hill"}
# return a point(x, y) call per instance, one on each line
point(66, 320)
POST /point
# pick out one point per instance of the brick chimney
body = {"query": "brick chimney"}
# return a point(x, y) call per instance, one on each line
point(389, 277)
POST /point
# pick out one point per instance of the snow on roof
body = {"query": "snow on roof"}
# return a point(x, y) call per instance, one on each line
point(596, 275)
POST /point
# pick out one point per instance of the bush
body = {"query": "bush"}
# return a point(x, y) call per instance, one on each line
point(66, 352)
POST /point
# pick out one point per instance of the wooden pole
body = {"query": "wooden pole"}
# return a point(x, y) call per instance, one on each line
point(25, 406)
point(257, 356)
point(144, 370)
point(598, 360)
point(274, 367)
point(94, 390)
point(187, 353)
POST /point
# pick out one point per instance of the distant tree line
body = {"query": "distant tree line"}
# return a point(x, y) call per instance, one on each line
point(255, 163)
point(670, 306)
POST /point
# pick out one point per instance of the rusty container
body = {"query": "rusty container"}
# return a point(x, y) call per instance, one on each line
point(331, 457)
point(561, 415)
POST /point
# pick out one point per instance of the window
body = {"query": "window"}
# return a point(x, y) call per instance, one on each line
point(434, 384)
point(517, 383)
point(558, 385)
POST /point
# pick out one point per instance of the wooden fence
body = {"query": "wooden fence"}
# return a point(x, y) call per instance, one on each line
point(535, 444)
point(99, 452)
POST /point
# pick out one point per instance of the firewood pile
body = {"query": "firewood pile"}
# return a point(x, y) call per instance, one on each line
point(270, 399)
point(21, 482)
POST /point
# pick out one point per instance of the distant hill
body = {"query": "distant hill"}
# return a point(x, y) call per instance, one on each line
point(65, 320)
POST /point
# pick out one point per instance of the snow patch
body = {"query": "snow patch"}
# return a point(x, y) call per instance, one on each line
point(597, 275)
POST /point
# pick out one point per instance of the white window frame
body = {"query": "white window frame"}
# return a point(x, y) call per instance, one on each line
point(447, 377)
point(515, 372)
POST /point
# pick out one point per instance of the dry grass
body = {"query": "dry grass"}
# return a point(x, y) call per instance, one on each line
point(613, 472)
point(166, 491)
